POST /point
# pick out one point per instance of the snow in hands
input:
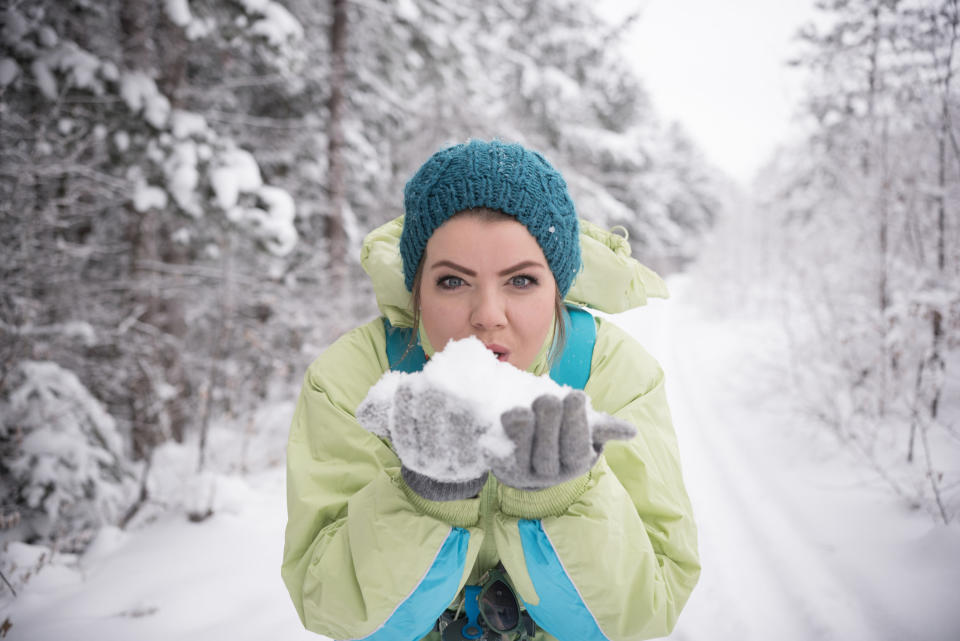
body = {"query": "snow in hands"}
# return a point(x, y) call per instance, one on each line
point(466, 389)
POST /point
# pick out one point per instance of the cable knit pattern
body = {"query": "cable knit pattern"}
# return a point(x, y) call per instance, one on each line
point(494, 175)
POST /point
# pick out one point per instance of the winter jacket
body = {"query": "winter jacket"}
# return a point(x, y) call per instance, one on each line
point(609, 555)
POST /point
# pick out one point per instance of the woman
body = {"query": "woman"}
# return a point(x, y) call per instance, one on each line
point(591, 535)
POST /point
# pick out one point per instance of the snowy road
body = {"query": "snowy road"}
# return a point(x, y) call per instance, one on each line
point(798, 541)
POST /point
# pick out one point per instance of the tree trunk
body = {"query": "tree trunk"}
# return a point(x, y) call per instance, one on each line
point(880, 179)
point(335, 231)
point(137, 33)
point(152, 42)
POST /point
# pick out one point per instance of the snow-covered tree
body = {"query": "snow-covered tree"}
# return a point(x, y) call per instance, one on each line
point(869, 243)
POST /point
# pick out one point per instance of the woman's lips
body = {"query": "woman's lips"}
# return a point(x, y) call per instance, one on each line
point(501, 352)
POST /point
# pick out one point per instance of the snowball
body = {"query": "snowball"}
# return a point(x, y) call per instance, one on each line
point(469, 372)
point(8, 71)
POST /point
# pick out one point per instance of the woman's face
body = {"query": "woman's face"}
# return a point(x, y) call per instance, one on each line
point(487, 279)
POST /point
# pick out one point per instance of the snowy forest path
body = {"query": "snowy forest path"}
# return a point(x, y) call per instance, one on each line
point(766, 575)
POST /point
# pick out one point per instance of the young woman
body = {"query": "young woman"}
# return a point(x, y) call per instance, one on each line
point(580, 533)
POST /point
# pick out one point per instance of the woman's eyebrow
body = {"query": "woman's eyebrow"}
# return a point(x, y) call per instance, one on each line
point(524, 265)
point(453, 265)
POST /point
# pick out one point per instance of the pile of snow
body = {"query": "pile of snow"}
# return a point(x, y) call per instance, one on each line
point(476, 383)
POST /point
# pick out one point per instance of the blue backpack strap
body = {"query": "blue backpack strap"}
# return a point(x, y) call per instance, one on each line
point(402, 356)
point(572, 367)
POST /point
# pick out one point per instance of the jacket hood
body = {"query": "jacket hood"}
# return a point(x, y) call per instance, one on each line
point(610, 280)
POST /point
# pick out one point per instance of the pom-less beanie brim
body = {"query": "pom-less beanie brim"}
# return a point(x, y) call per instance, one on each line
point(492, 175)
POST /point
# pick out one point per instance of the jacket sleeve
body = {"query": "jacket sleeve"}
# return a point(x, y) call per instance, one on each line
point(364, 557)
point(611, 555)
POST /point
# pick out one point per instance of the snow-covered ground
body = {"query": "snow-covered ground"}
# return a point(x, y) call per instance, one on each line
point(798, 539)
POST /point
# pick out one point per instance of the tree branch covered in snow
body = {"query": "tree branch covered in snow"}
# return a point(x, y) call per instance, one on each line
point(164, 183)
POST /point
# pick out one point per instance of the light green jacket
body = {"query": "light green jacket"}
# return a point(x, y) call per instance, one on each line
point(359, 543)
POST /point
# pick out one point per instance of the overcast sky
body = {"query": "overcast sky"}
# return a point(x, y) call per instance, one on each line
point(718, 68)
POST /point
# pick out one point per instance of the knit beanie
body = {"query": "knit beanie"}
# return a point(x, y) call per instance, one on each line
point(492, 175)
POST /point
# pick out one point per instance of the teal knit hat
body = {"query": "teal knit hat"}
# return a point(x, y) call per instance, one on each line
point(492, 175)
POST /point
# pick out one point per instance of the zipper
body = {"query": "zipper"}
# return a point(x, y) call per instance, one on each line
point(487, 557)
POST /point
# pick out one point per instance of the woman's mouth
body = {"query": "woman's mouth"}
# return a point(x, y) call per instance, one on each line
point(501, 352)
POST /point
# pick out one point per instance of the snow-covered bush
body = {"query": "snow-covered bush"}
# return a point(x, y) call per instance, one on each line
point(61, 459)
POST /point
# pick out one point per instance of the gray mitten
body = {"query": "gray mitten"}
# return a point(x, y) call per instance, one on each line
point(436, 438)
point(553, 441)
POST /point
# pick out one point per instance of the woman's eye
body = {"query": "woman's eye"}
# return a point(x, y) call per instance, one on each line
point(449, 282)
point(523, 281)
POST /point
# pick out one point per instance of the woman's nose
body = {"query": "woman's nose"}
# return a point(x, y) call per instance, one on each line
point(489, 310)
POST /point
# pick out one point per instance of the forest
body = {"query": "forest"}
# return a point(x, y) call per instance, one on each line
point(184, 187)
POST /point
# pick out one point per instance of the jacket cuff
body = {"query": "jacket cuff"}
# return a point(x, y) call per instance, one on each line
point(539, 504)
point(456, 504)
